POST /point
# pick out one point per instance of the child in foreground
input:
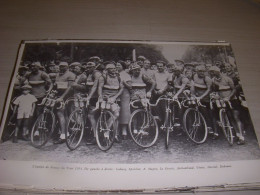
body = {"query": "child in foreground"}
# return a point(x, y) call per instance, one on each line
point(24, 105)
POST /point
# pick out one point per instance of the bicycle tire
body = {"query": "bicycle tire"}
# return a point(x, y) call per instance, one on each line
point(75, 129)
point(44, 131)
point(198, 136)
point(167, 130)
point(226, 127)
point(105, 135)
point(143, 128)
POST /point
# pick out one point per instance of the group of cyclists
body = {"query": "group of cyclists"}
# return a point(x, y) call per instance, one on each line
point(121, 82)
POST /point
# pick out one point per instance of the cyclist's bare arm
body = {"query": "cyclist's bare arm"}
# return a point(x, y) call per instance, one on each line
point(101, 82)
point(95, 86)
point(184, 83)
point(67, 90)
point(209, 84)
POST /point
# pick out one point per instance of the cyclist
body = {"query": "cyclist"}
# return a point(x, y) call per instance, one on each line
point(179, 82)
point(63, 81)
point(139, 82)
point(147, 69)
point(38, 80)
point(201, 88)
point(110, 87)
point(92, 96)
point(225, 88)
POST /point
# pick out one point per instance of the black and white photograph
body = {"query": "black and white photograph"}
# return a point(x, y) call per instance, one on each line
point(126, 102)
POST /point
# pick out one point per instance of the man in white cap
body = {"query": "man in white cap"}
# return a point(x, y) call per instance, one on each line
point(225, 88)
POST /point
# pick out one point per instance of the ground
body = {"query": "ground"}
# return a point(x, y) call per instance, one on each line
point(181, 150)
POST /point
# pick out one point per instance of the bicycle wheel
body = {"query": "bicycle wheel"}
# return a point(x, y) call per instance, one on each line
point(75, 129)
point(105, 130)
point(195, 125)
point(42, 129)
point(143, 128)
point(167, 129)
point(226, 127)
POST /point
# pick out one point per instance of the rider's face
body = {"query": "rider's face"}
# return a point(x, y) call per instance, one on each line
point(63, 69)
point(201, 74)
point(112, 70)
point(136, 72)
point(147, 64)
point(119, 67)
point(160, 67)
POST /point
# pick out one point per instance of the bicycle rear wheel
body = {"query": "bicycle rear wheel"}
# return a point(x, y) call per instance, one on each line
point(226, 127)
point(143, 128)
point(75, 129)
point(195, 125)
point(42, 129)
point(105, 130)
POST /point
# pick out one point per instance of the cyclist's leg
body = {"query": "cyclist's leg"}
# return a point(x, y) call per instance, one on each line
point(62, 122)
point(234, 116)
point(209, 117)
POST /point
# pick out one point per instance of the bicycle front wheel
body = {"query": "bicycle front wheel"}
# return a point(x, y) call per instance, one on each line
point(226, 127)
point(42, 129)
point(143, 128)
point(195, 125)
point(167, 129)
point(75, 129)
point(105, 130)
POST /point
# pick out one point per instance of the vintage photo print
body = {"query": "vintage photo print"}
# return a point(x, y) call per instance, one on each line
point(140, 102)
point(127, 102)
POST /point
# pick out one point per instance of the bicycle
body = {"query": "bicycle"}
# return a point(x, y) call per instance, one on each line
point(106, 126)
point(45, 123)
point(194, 122)
point(77, 123)
point(169, 120)
point(223, 122)
point(142, 125)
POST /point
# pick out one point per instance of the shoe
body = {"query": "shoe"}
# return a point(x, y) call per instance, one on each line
point(59, 141)
point(215, 135)
point(117, 139)
point(241, 141)
point(210, 130)
point(15, 140)
point(26, 137)
point(91, 142)
point(124, 137)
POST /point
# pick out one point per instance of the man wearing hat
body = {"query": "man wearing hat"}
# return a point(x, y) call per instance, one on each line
point(24, 107)
point(63, 82)
point(139, 82)
point(20, 80)
point(92, 76)
point(140, 61)
point(179, 63)
point(200, 89)
point(110, 87)
point(73, 65)
point(225, 89)
point(189, 66)
point(39, 80)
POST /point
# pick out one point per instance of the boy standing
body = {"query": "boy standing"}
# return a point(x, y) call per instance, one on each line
point(24, 106)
